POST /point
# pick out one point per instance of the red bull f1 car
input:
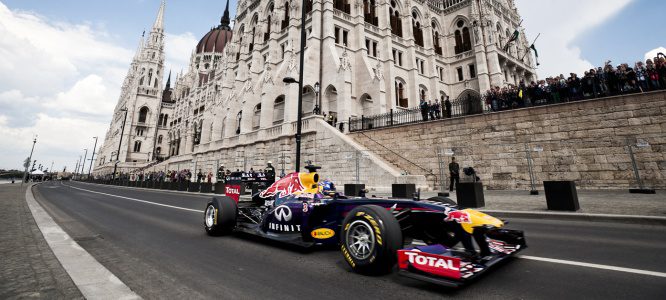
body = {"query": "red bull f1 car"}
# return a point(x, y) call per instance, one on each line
point(430, 240)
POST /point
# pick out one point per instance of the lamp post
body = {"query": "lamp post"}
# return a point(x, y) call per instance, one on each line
point(289, 80)
point(316, 89)
point(122, 130)
point(83, 163)
point(92, 158)
point(27, 164)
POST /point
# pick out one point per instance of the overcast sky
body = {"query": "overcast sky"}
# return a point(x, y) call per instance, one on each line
point(62, 62)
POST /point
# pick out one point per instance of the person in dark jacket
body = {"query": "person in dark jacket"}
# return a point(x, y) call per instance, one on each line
point(454, 173)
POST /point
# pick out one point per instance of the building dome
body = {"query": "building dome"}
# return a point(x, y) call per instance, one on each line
point(215, 40)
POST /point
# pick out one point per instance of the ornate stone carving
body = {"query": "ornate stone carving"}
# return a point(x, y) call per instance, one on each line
point(345, 62)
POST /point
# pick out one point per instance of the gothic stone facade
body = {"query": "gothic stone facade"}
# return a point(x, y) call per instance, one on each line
point(361, 58)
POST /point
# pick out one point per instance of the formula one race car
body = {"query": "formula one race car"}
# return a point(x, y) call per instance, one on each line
point(422, 236)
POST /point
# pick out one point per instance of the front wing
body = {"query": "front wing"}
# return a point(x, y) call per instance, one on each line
point(454, 267)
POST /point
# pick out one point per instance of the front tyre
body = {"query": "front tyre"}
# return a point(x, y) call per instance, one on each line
point(370, 239)
point(220, 216)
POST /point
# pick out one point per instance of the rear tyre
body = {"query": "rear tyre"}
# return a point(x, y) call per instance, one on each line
point(370, 239)
point(220, 216)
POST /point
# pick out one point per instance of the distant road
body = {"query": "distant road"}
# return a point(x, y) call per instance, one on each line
point(155, 242)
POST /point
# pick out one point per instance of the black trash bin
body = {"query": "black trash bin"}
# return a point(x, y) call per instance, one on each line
point(561, 195)
point(403, 190)
point(194, 187)
point(219, 188)
point(470, 195)
point(354, 190)
point(206, 187)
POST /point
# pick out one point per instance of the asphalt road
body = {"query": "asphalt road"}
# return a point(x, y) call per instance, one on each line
point(162, 251)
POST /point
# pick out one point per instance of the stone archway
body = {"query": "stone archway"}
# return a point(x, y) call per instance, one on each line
point(330, 101)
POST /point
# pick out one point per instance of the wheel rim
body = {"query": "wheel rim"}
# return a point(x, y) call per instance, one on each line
point(360, 239)
point(210, 216)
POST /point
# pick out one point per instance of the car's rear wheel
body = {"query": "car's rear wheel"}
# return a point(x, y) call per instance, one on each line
point(370, 239)
point(220, 216)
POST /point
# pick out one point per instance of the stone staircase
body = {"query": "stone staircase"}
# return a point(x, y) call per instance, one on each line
point(398, 160)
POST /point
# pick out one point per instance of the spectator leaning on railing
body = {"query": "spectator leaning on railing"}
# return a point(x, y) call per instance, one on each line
point(595, 83)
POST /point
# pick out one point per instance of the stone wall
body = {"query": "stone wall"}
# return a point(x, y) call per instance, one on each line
point(322, 144)
point(585, 141)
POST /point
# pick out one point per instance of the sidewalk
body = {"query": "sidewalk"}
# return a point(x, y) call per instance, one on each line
point(617, 202)
point(29, 267)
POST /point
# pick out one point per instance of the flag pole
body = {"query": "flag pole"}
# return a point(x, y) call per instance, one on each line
point(535, 39)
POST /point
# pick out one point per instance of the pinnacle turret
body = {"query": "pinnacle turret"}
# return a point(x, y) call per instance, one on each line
point(159, 21)
point(225, 21)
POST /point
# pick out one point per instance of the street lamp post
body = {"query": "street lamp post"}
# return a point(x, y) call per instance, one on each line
point(316, 89)
point(122, 129)
point(83, 163)
point(76, 169)
point(27, 165)
point(92, 158)
point(289, 80)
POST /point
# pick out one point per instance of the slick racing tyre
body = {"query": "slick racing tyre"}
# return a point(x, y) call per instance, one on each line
point(370, 239)
point(220, 216)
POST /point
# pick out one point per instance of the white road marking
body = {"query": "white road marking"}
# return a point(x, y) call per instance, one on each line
point(544, 259)
point(137, 200)
point(596, 266)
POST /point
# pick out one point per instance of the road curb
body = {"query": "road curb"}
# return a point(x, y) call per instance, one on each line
point(613, 218)
point(90, 277)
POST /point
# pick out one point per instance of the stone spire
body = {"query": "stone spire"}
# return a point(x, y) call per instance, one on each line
point(168, 84)
point(159, 21)
point(225, 21)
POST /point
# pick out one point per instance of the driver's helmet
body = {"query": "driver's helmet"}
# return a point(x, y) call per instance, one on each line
point(326, 187)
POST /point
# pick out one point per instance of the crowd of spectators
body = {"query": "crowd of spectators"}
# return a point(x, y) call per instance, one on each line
point(595, 83)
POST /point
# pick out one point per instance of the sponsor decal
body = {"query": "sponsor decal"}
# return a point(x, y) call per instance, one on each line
point(322, 233)
point(284, 227)
point(458, 216)
point(283, 187)
point(438, 265)
point(232, 191)
point(282, 213)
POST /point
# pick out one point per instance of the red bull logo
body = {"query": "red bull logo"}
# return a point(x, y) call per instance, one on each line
point(283, 187)
point(458, 216)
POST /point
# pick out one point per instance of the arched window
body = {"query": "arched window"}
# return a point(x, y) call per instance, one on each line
point(143, 114)
point(241, 31)
point(370, 12)
point(150, 76)
point(269, 22)
point(141, 80)
point(462, 37)
point(161, 120)
point(400, 99)
point(435, 38)
point(137, 146)
point(396, 22)
point(239, 118)
point(254, 31)
point(166, 117)
point(418, 32)
point(158, 150)
point(285, 21)
point(159, 139)
point(256, 117)
point(278, 110)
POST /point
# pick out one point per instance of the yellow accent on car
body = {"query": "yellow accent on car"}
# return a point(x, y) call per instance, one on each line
point(215, 217)
point(310, 182)
point(478, 218)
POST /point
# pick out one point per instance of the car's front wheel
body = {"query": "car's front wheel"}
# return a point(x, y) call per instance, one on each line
point(370, 239)
point(220, 216)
